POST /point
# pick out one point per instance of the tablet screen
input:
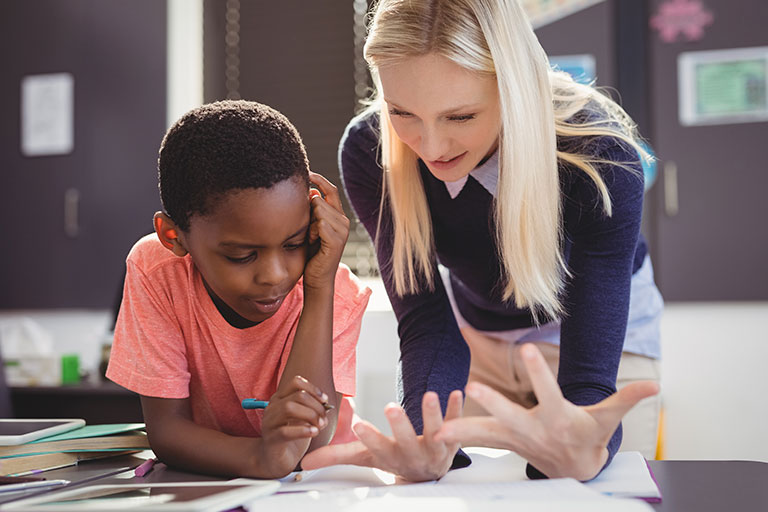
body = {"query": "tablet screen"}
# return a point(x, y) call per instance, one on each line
point(17, 428)
point(146, 497)
point(137, 496)
point(13, 432)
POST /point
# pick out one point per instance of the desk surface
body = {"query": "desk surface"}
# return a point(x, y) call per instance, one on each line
point(704, 486)
point(700, 486)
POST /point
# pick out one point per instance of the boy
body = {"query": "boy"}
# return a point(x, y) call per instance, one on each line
point(240, 295)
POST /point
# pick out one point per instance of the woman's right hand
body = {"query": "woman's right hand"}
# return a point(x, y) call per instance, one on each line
point(409, 456)
point(557, 437)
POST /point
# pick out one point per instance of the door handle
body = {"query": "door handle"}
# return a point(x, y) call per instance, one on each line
point(671, 203)
point(72, 212)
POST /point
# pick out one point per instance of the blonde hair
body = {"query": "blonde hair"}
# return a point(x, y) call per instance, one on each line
point(537, 105)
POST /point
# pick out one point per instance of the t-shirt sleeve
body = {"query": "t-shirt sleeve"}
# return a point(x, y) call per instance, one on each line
point(350, 300)
point(148, 353)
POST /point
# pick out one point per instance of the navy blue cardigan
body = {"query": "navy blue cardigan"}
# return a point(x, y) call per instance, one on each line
point(601, 252)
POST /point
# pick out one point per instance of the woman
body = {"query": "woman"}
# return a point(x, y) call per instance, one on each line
point(526, 188)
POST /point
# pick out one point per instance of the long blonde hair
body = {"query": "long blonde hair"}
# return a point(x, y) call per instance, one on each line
point(537, 105)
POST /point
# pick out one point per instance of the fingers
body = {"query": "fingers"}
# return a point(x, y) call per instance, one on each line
point(299, 383)
point(349, 453)
point(455, 405)
point(296, 432)
point(513, 416)
point(329, 222)
point(301, 401)
point(544, 383)
point(401, 426)
point(328, 189)
point(432, 415)
point(609, 412)
point(476, 431)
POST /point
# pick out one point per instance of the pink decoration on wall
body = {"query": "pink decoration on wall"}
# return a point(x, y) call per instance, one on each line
point(681, 17)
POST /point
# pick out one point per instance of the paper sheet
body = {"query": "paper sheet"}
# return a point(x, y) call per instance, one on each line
point(456, 495)
point(494, 479)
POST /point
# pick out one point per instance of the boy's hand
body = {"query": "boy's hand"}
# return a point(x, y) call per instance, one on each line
point(329, 229)
point(293, 417)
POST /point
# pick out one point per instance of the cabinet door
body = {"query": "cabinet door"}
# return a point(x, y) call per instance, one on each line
point(116, 53)
point(711, 210)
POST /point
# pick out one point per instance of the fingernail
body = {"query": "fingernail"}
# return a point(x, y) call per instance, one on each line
point(323, 397)
point(432, 401)
point(393, 412)
point(322, 422)
point(313, 430)
point(528, 352)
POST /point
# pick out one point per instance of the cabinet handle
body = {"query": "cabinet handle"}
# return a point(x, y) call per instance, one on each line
point(671, 204)
point(71, 212)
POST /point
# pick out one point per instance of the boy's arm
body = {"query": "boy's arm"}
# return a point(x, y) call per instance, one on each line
point(289, 423)
point(312, 356)
point(312, 352)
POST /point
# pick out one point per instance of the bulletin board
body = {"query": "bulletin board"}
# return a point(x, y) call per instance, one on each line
point(723, 86)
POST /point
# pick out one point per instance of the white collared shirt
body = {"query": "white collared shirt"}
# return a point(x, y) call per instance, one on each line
point(486, 174)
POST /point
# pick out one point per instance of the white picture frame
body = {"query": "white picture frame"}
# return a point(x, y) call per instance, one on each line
point(47, 114)
point(723, 86)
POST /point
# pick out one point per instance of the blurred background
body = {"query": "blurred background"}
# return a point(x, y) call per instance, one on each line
point(89, 87)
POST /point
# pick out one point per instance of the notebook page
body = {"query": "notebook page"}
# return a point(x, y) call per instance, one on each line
point(564, 489)
point(627, 475)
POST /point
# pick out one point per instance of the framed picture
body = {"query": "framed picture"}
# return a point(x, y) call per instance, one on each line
point(723, 86)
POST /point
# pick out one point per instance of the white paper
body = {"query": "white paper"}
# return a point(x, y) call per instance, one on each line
point(47, 114)
point(457, 495)
point(493, 480)
point(626, 476)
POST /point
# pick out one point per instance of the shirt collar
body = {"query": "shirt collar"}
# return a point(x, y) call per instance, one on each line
point(486, 174)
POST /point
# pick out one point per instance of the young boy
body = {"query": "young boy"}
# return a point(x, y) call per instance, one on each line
point(240, 295)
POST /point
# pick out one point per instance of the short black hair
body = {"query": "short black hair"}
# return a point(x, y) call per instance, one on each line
point(226, 146)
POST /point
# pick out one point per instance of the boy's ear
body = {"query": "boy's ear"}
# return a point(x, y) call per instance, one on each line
point(168, 234)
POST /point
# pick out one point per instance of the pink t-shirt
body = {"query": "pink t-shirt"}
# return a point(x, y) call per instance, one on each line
point(172, 342)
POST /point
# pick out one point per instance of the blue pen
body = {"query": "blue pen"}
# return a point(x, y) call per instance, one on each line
point(252, 403)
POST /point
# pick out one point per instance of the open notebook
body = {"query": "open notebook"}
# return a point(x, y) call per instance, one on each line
point(627, 476)
point(495, 476)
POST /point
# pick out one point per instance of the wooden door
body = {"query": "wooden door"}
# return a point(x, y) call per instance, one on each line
point(116, 53)
point(711, 210)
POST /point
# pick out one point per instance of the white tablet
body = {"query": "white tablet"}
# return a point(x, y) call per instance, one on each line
point(149, 497)
point(13, 432)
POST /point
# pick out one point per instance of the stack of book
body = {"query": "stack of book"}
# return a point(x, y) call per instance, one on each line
point(69, 448)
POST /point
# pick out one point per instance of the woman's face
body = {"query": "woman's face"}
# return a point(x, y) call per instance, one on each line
point(449, 116)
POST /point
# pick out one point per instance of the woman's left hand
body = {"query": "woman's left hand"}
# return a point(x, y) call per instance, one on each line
point(407, 455)
point(328, 232)
point(558, 438)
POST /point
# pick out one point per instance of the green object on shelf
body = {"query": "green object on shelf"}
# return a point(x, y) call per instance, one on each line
point(70, 369)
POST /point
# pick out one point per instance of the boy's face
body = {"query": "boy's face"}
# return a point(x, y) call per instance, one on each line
point(252, 247)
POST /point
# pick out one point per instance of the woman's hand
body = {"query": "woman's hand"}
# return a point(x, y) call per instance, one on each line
point(328, 232)
point(558, 438)
point(414, 458)
point(293, 417)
